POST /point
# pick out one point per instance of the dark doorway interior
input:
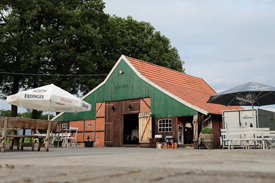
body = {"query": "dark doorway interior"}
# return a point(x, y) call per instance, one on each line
point(185, 130)
point(188, 132)
point(130, 132)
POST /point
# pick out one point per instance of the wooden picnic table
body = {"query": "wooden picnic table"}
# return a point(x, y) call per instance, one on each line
point(11, 123)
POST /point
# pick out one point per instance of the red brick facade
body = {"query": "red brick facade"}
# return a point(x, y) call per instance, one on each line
point(216, 125)
point(95, 128)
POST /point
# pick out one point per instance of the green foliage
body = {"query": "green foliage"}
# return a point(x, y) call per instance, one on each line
point(50, 37)
point(6, 113)
point(140, 40)
point(251, 125)
point(26, 140)
point(27, 114)
point(88, 138)
point(71, 37)
point(206, 130)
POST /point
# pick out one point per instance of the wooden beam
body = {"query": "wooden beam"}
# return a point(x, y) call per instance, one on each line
point(4, 135)
point(27, 123)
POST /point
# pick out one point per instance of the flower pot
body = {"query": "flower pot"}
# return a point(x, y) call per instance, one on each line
point(89, 143)
point(207, 141)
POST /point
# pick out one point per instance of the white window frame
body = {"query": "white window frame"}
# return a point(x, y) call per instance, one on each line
point(165, 125)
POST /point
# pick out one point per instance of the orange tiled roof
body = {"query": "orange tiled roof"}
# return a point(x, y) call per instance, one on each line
point(189, 88)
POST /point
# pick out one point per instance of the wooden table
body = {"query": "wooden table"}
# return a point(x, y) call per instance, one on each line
point(22, 123)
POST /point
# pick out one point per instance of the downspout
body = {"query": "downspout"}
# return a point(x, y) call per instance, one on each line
point(205, 120)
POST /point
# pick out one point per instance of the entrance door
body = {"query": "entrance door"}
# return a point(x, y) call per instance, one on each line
point(180, 132)
point(113, 124)
point(145, 127)
point(130, 130)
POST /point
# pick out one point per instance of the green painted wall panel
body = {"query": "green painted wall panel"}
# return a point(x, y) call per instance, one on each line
point(129, 86)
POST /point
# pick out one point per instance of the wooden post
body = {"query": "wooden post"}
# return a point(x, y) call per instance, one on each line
point(4, 135)
point(32, 140)
point(23, 139)
point(48, 137)
point(39, 144)
point(84, 131)
point(11, 140)
point(95, 131)
point(18, 143)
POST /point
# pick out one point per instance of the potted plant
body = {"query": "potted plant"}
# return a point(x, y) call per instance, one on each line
point(206, 138)
point(251, 125)
point(88, 142)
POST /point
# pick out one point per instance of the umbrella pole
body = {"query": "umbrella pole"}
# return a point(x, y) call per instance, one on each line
point(49, 116)
point(253, 114)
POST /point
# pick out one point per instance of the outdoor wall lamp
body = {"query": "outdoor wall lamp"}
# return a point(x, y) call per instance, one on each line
point(121, 72)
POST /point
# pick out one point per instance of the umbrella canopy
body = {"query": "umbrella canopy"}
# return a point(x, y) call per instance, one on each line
point(248, 94)
point(49, 98)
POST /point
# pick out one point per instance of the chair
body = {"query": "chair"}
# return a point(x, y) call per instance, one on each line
point(68, 138)
point(73, 139)
point(270, 142)
point(65, 139)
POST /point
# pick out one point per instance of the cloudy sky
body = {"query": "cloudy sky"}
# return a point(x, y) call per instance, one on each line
point(225, 42)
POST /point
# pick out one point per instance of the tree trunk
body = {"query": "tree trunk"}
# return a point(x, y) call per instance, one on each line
point(35, 114)
point(15, 89)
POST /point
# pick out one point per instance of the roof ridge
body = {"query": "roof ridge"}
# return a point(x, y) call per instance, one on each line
point(190, 88)
point(162, 67)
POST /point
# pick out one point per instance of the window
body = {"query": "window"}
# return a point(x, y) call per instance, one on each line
point(65, 126)
point(165, 125)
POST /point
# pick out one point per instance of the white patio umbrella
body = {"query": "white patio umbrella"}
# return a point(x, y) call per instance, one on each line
point(48, 98)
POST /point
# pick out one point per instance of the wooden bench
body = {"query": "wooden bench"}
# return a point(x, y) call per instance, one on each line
point(10, 123)
point(245, 136)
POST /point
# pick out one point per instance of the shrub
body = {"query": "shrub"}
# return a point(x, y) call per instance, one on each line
point(206, 130)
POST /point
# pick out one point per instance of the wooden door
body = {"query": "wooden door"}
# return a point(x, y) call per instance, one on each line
point(113, 124)
point(145, 127)
point(109, 123)
point(195, 128)
point(131, 106)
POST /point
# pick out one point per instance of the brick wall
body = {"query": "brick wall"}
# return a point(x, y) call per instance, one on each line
point(216, 121)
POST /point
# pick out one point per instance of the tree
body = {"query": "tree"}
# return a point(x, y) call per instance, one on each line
point(49, 37)
point(27, 114)
point(140, 40)
point(71, 37)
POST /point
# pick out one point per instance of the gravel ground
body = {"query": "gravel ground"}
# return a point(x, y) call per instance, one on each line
point(137, 165)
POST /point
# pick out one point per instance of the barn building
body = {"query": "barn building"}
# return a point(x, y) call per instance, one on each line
point(150, 100)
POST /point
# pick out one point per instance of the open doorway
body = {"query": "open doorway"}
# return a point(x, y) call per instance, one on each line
point(130, 132)
point(185, 130)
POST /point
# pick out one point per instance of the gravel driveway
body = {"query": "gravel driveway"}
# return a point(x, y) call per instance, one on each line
point(137, 165)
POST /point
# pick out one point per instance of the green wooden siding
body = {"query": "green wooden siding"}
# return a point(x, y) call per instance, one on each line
point(129, 86)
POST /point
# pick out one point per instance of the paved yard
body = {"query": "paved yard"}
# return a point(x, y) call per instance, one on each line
point(137, 165)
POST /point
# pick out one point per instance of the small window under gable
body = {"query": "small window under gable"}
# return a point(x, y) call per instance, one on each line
point(165, 125)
